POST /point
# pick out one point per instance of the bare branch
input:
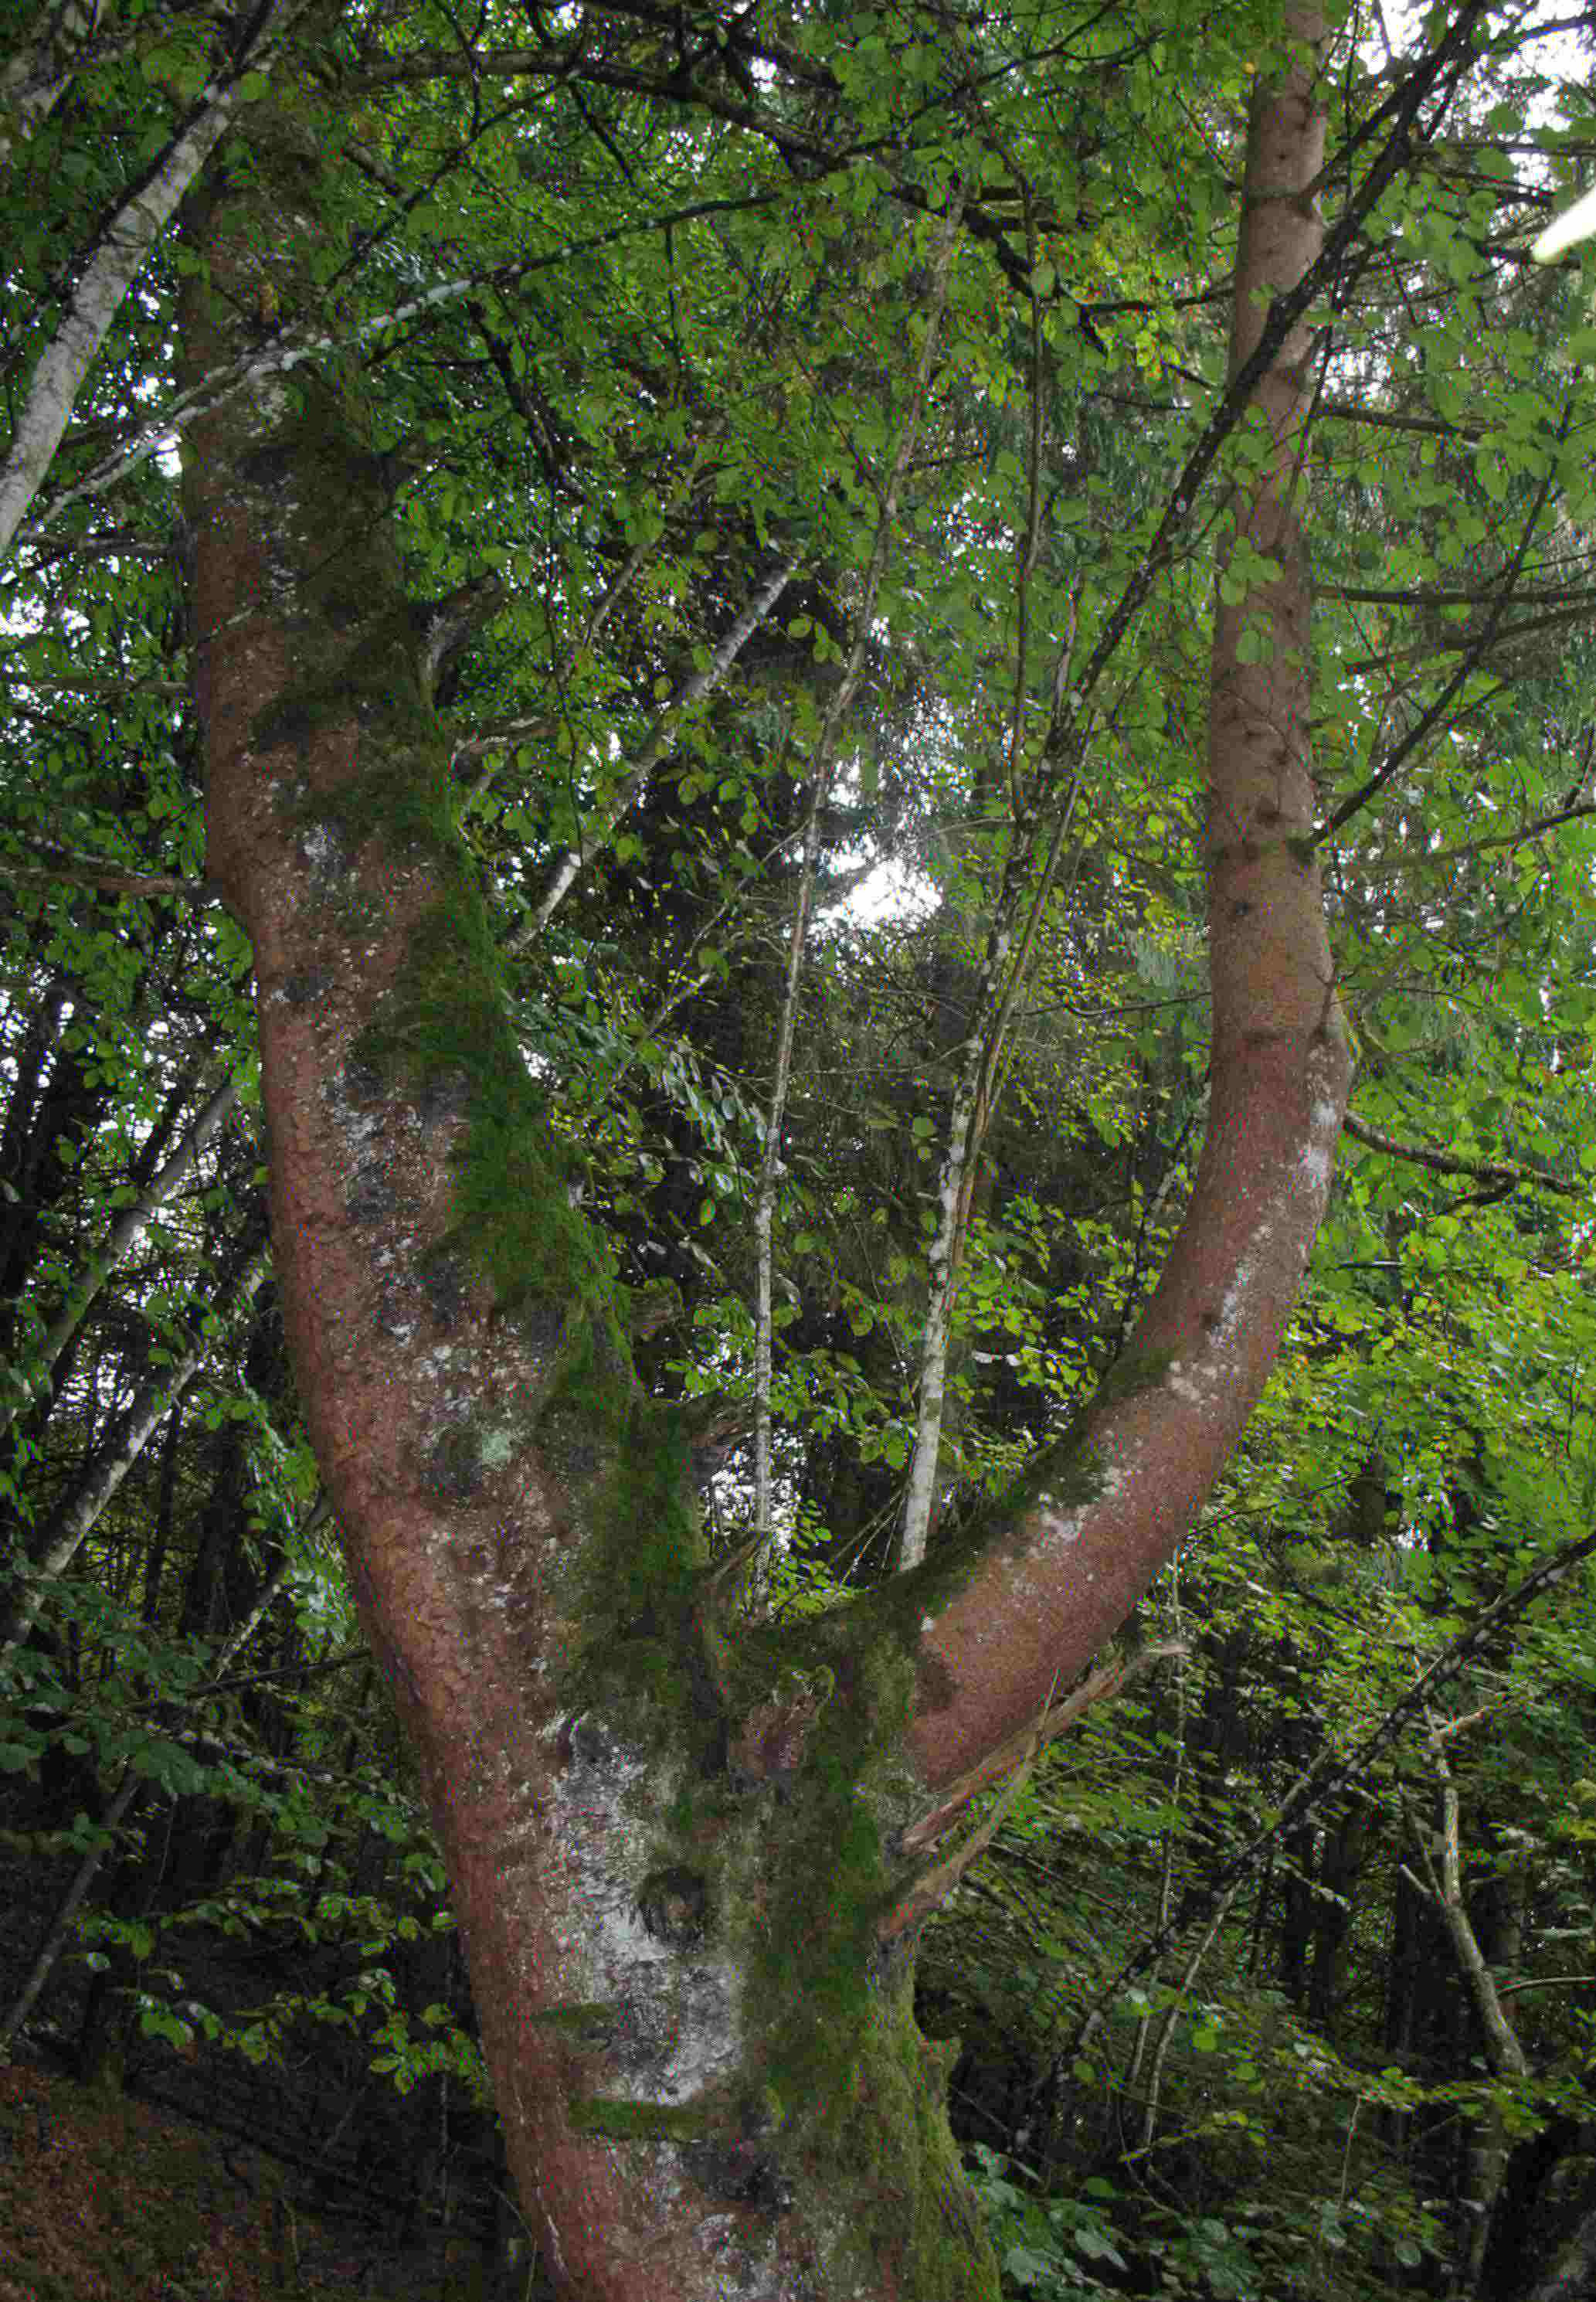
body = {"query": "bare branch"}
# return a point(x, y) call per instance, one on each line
point(596, 832)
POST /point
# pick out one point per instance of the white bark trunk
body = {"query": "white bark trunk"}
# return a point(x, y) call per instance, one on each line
point(825, 753)
point(126, 1233)
point(126, 242)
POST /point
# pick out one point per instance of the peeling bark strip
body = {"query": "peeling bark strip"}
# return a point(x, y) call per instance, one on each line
point(1106, 1507)
point(667, 1839)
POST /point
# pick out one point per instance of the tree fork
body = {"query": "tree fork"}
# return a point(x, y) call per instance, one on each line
point(620, 1832)
point(712, 1851)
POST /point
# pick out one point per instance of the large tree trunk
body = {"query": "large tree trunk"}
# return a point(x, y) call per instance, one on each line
point(678, 1851)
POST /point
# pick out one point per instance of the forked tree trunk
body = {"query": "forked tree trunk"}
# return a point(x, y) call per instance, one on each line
point(679, 1850)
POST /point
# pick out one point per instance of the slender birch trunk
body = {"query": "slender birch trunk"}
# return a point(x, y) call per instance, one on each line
point(1171, 2015)
point(771, 1167)
point(126, 1233)
point(1000, 985)
point(112, 267)
point(57, 1542)
point(1144, 2026)
point(942, 1270)
point(1440, 1860)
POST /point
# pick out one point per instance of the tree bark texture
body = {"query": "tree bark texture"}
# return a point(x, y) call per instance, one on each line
point(667, 1847)
point(1105, 1507)
point(674, 1839)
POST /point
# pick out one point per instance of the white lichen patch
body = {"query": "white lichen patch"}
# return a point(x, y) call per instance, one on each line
point(1318, 1165)
point(679, 2034)
point(320, 848)
point(1063, 1520)
point(740, 2264)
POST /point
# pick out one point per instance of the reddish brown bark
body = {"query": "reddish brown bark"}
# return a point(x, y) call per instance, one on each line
point(456, 1568)
point(465, 1512)
point(1069, 1569)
